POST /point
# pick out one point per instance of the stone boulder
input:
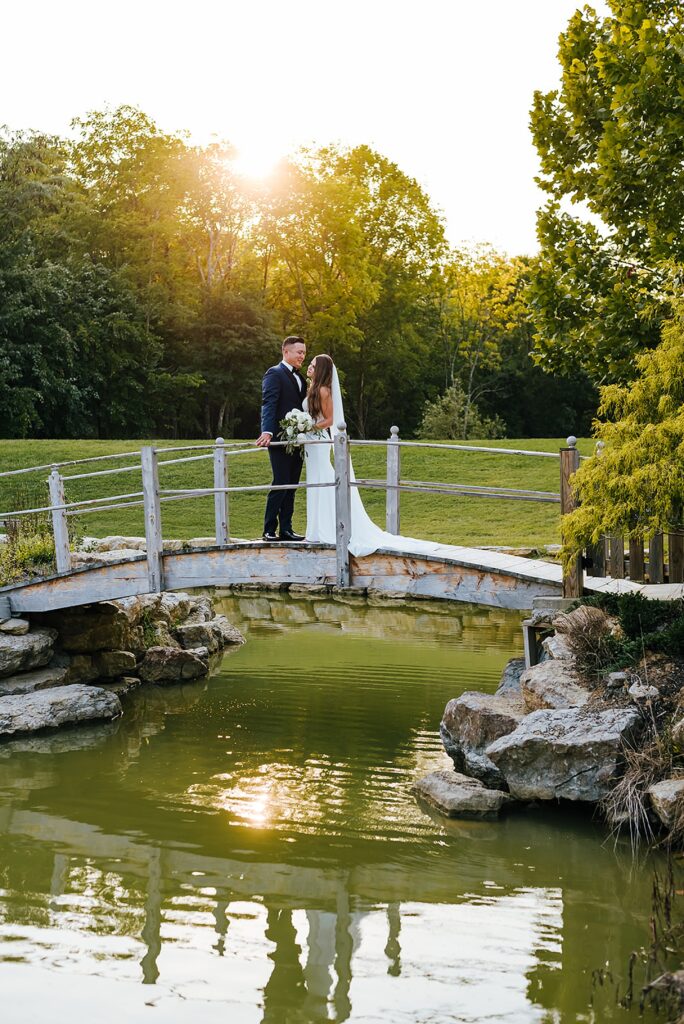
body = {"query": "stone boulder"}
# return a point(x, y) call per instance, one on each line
point(230, 634)
point(27, 651)
point(470, 724)
point(39, 679)
point(48, 709)
point(112, 664)
point(172, 665)
point(557, 647)
point(15, 627)
point(213, 634)
point(570, 753)
point(81, 669)
point(667, 800)
point(552, 684)
point(98, 627)
point(510, 680)
point(458, 796)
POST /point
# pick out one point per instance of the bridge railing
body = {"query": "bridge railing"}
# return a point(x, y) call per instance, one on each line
point(149, 461)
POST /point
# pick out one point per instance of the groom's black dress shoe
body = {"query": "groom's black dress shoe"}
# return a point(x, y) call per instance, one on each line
point(269, 536)
point(289, 535)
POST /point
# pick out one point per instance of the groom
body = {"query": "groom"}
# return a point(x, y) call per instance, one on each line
point(283, 389)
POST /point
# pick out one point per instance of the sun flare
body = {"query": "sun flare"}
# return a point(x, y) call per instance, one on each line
point(256, 160)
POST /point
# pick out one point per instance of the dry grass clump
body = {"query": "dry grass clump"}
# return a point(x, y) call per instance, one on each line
point(590, 634)
point(628, 804)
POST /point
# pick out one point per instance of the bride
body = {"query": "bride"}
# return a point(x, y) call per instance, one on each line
point(324, 405)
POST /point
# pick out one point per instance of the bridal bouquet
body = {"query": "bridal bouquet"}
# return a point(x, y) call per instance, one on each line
point(293, 428)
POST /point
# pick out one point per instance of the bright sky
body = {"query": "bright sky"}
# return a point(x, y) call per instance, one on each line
point(442, 87)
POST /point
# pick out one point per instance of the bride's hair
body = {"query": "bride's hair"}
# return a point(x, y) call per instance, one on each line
point(322, 378)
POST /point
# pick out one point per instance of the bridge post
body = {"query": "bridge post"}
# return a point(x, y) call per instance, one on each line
point(60, 528)
point(221, 513)
point(392, 517)
point(153, 533)
point(573, 582)
point(342, 504)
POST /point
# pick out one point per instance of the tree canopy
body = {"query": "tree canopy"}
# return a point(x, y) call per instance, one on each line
point(146, 286)
point(611, 147)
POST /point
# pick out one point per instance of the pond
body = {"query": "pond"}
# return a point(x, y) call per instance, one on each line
point(248, 850)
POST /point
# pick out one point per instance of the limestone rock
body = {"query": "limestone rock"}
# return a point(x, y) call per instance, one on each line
point(98, 627)
point(171, 665)
point(557, 647)
point(15, 627)
point(81, 669)
point(641, 691)
point(122, 685)
point(48, 709)
point(458, 796)
point(198, 634)
point(510, 680)
point(230, 634)
point(81, 559)
point(111, 664)
point(570, 753)
point(667, 800)
point(22, 653)
point(201, 609)
point(473, 721)
point(552, 684)
point(39, 679)
point(117, 544)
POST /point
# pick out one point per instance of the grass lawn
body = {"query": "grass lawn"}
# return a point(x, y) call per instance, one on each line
point(471, 521)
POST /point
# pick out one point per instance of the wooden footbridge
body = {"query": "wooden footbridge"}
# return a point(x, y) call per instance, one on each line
point(401, 568)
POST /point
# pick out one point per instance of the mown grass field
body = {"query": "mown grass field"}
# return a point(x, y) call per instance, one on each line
point(472, 521)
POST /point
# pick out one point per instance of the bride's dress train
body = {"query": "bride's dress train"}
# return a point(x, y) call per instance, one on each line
point(366, 537)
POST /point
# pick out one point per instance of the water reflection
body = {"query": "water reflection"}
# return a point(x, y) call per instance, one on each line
point(249, 848)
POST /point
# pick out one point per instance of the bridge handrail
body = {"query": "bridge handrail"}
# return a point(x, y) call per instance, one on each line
point(457, 447)
point(151, 497)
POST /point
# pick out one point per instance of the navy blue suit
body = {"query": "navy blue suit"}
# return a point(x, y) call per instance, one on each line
point(280, 394)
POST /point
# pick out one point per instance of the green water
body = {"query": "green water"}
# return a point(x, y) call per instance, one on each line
point(248, 850)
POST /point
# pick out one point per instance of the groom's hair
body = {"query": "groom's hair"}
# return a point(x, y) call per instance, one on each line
point(293, 339)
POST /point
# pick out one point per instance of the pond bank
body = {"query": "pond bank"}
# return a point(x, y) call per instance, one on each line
point(71, 666)
point(570, 729)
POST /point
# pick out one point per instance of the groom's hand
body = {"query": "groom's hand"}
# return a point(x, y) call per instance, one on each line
point(263, 440)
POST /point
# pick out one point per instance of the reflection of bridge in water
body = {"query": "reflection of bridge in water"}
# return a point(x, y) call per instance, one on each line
point(507, 903)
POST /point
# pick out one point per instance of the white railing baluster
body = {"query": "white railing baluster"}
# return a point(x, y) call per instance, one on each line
point(60, 528)
point(221, 511)
point(342, 505)
point(153, 532)
point(392, 517)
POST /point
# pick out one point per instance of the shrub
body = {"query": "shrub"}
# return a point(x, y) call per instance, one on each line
point(452, 417)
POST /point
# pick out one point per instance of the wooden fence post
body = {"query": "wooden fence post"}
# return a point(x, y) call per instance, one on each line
point(636, 559)
point(675, 544)
point(221, 514)
point(60, 527)
point(569, 464)
point(596, 558)
point(153, 532)
point(656, 560)
point(616, 557)
point(392, 516)
point(342, 504)
point(637, 566)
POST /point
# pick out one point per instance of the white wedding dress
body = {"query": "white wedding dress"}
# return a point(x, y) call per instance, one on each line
point(321, 518)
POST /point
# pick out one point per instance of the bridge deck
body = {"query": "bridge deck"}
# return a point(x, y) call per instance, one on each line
point(449, 572)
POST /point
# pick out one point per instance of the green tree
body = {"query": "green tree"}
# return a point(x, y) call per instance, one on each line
point(611, 141)
point(451, 417)
point(636, 485)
